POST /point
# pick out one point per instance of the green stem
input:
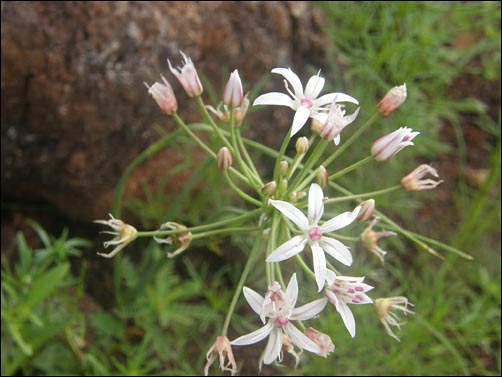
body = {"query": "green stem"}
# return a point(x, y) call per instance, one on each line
point(348, 169)
point(371, 194)
point(209, 119)
point(218, 224)
point(211, 233)
point(241, 193)
point(280, 155)
point(240, 284)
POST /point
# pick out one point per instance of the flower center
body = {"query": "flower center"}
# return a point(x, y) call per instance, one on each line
point(315, 233)
point(307, 102)
point(281, 322)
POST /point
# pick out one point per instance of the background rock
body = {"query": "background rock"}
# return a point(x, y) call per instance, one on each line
point(75, 111)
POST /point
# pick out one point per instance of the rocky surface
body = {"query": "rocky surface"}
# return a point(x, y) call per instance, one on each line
point(75, 111)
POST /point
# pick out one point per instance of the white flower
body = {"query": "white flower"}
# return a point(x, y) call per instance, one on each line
point(313, 234)
point(279, 307)
point(124, 233)
point(345, 290)
point(304, 103)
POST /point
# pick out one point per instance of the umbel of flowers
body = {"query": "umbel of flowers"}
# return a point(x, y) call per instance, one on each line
point(284, 214)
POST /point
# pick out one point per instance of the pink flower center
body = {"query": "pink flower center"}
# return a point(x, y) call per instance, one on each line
point(281, 322)
point(307, 102)
point(315, 233)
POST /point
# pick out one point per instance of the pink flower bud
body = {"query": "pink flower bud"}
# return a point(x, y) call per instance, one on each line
point(224, 158)
point(187, 76)
point(164, 96)
point(233, 93)
point(367, 210)
point(387, 146)
point(392, 100)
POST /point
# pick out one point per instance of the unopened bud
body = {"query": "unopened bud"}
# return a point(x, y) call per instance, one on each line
point(269, 188)
point(322, 177)
point(392, 100)
point(324, 342)
point(367, 210)
point(233, 93)
point(283, 167)
point(224, 158)
point(164, 96)
point(302, 145)
point(283, 185)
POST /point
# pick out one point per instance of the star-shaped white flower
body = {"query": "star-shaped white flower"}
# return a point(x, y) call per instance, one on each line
point(313, 234)
point(304, 103)
point(279, 307)
point(343, 290)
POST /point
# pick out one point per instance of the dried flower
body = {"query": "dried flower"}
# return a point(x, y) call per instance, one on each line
point(415, 182)
point(384, 307)
point(180, 240)
point(370, 239)
point(124, 233)
point(222, 349)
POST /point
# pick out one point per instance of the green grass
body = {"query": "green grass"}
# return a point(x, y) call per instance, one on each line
point(161, 315)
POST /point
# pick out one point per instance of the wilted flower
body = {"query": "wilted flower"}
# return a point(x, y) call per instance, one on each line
point(392, 100)
point(124, 233)
point(415, 182)
point(305, 104)
point(279, 307)
point(336, 121)
point(322, 340)
point(187, 76)
point(313, 234)
point(343, 290)
point(370, 239)
point(387, 146)
point(164, 96)
point(180, 240)
point(222, 349)
point(384, 307)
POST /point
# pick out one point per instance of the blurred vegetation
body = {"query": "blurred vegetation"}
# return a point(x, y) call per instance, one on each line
point(163, 315)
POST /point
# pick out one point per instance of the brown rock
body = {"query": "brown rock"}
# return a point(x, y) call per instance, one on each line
point(75, 111)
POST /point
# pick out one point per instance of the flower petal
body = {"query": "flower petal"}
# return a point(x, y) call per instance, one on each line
point(288, 249)
point(340, 97)
point(336, 249)
point(292, 213)
point(309, 310)
point(254, 300)
point(340, 221)
point(314, 87)
point(348, 317)
point(293, 79)
point(255, 336)
point(330, 277)
point(299, 339)
point(319, 264)
point(292, 291)
point(274, 346)
point(316, 204)
point(301, 116)
point(275, 98)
